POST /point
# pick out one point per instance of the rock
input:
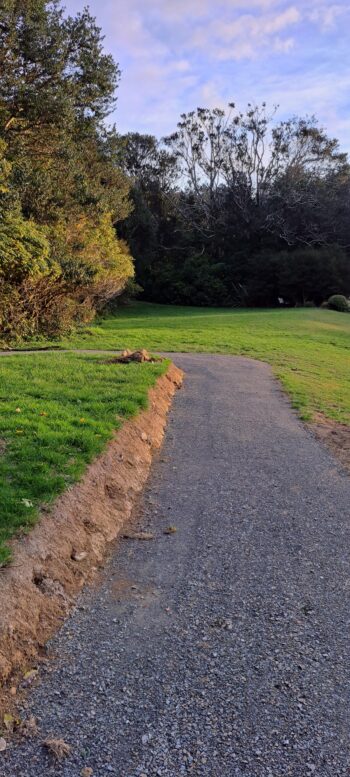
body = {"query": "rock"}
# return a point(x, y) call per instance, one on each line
point(141, 535)
point(78, 555)
point(3, 744)
point(144, 437)
point(86, 772)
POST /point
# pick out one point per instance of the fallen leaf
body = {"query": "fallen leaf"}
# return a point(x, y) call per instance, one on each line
point(30, 674)
point(27, 502)
point(13, 690)
point(58, 748)
point(43, 412)
point(82, 420)
point(18, 410)
point(9, 721)
point(170, 530)
point(141, 535)
point(19, 431)
point(3, 744)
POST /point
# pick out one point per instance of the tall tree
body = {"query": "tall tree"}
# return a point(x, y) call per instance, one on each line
point(57, 88)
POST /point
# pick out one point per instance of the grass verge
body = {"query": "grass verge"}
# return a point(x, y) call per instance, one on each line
point(57, 411)
point(309, 349)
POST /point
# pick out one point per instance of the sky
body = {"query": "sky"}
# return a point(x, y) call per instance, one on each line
point(176, 55)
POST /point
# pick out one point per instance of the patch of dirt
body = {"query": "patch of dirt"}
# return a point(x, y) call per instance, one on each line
point(51, 564)
point(124, 589)
point(335, 435)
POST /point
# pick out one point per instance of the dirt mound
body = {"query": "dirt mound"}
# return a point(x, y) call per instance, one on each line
point(134, 356)
point(53, 562)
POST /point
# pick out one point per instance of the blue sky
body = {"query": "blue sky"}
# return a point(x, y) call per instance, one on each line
point(176, 55)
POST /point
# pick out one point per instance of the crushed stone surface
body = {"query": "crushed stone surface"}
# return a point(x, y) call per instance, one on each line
point(223, 647)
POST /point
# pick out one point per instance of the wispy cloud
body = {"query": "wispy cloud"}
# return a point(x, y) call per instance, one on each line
point(176, 55)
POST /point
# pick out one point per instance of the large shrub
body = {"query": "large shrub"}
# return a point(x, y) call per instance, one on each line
point(61, 183)
point(338, 302)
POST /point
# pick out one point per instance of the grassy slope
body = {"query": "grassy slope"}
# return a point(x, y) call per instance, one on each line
point(309, 349)
point(56, 413)
point(58, 410)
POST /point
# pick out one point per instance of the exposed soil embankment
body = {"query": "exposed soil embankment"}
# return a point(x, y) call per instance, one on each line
point(52, 563)
point(335, 435)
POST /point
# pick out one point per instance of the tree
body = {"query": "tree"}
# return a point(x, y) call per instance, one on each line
point(57, 88)
point(266, 174)
point(244, 189)
point(150, 228)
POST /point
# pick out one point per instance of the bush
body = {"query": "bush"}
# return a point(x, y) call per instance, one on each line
point(338, 302)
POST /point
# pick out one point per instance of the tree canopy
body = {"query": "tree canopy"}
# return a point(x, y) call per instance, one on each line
point(64, 172)
point(246, 202)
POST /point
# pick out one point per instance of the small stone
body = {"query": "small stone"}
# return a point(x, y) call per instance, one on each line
point(86, 772)
point(141, 535)
point(144, 437)
point(3, 744)
point(78, 555)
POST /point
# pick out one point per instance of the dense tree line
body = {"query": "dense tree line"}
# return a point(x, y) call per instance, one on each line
point(239, 209)
point(62, 188)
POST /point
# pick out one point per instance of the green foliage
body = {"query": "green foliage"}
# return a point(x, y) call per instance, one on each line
point(312, 274)
point(338, 302)
point(242, 209)
point(60, 169)
point(24, 250)
point(57, 411)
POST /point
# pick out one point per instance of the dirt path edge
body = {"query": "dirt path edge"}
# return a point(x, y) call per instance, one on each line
point(335, 435)
point(51, 564)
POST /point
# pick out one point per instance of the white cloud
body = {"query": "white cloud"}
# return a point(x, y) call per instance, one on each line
point(326, 16)
point(284, 46)
point(177, 54)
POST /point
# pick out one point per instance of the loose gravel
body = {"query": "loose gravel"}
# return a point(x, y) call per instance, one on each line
point(221, 648)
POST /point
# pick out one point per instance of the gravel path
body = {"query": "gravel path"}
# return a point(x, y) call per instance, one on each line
point(221, 649)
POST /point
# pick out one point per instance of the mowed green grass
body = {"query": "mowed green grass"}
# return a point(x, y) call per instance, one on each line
point(57, 411)
point(309, 349)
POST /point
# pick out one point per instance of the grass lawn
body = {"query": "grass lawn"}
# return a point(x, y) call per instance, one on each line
point(57, 412)
point(309, 349)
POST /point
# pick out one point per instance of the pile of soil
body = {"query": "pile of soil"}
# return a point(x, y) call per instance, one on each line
point(134, 356)
point(53, 562)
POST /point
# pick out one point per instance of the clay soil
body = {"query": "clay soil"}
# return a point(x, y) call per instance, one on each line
point(61, 553)
point(335, 436)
